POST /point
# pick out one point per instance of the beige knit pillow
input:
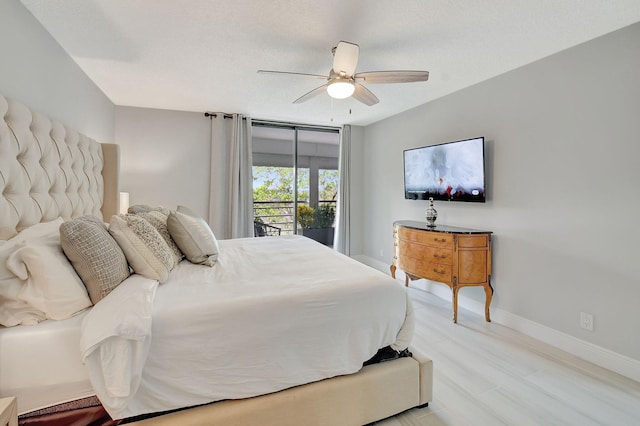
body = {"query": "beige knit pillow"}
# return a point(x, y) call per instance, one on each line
point(94, 254)
point(158, 219)
point(139, 208)
point(145, 249)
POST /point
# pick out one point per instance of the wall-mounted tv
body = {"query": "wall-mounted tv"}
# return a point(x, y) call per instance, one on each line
point(452, 171)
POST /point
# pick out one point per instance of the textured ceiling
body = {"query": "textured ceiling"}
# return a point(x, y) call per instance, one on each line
point(202, 55)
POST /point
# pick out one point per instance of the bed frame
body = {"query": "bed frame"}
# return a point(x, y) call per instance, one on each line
point(49, 171)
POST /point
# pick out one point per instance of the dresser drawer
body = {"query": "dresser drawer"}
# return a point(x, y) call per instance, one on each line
point(473, 241)
point(421, 252)
point(423, 269)
point(435, 239)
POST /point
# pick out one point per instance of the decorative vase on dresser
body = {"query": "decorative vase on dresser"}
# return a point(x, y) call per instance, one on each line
point(457, 257)
point(431, 214)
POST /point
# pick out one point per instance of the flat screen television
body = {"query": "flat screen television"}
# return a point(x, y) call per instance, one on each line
point(452, 171)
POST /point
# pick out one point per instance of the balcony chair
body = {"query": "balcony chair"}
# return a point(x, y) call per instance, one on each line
point(261, 229)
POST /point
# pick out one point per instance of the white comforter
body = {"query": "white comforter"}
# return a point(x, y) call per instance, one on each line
point(271, 314)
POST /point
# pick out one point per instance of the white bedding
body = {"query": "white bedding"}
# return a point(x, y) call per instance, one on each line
point(40, 364)
point(271, 314)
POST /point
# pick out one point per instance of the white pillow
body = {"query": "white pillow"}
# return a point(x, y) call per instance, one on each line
point(50, 284)
point(193, 236)
point(45, 230)
point(13, 309)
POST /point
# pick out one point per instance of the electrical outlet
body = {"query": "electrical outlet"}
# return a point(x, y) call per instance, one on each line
point(586, 321)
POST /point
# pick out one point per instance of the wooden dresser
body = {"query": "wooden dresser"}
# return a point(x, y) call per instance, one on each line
point(457, 257)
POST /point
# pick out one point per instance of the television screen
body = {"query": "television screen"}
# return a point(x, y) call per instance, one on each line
point(452, 171)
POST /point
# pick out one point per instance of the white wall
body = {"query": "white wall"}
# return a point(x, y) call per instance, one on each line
point(165, 157)
point(562, 143)
point(37, 72)
point(358, 212)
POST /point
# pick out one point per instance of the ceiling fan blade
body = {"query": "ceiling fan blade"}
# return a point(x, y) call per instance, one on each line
point(315, 92)
point(345, 58)
point(301, 74)
point(364, 95)
point(381, 77)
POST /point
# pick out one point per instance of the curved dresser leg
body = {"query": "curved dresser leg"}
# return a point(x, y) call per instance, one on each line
point(455, 289)
point(488, 291)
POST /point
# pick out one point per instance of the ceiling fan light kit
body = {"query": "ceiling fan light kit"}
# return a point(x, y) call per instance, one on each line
point(344, 82)
point(340, 89)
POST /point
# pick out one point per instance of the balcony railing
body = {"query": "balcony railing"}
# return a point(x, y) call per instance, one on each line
point(280, 213)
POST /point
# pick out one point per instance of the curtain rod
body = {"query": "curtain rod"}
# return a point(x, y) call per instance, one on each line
point(281, 124)
point(215, 114)
point(298, 126)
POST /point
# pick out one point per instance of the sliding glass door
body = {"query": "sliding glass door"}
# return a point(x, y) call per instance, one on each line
point(295, 180)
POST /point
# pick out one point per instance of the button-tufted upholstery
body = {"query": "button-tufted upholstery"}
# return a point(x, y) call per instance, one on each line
point(46, 170)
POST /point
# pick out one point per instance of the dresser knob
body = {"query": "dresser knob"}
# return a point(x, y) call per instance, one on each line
point(438, 272)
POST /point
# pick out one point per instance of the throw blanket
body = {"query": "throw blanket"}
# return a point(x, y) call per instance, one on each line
point(273, 313)
point(115, 339)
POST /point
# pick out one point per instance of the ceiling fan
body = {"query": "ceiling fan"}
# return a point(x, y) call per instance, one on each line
point(343, 82)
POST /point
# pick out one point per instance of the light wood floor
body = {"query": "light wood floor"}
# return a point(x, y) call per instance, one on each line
point(487, 374)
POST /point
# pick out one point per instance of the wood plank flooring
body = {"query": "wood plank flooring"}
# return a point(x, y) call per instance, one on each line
point(487, 374)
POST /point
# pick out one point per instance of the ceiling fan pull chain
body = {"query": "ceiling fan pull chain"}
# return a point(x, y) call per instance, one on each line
point(331, 109)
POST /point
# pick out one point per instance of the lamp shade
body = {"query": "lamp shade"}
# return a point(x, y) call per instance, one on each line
point(340, 89)
point(124, 202)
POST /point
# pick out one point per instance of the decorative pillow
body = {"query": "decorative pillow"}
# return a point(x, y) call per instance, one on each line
point(158, 219)
point(13, 309)
point(94, 254)
point(145, 249)
point(145, 208)
point(194, 236)
point(42, 231)
point(50, 283)
point(139, 208)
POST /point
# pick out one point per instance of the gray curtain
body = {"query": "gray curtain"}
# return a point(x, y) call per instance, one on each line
point(231, 184)
point(343, 221)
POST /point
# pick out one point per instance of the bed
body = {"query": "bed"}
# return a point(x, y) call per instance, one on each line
point(276, 331)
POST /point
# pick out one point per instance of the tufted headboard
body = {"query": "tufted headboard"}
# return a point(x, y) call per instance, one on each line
point(48, 171)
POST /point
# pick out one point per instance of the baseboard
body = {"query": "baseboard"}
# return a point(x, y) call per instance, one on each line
point(595, 354)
